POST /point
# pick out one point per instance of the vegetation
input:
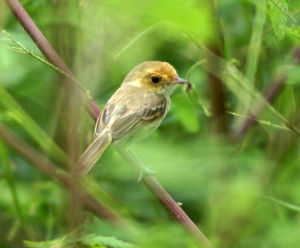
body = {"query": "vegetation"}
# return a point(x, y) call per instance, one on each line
point(227, 152)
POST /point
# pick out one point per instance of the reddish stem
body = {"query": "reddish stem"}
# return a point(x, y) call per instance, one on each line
point(48, 51)
point(269, 94)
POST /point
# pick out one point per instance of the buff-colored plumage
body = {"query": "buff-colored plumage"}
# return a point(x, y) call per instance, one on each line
point(134, 110)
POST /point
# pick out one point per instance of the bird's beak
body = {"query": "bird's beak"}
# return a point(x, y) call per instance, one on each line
point(179, 80)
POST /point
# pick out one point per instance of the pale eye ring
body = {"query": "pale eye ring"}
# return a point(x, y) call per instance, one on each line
point(155, 79)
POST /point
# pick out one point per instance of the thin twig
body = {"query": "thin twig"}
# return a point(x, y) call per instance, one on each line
point(230, 70)
point(21, 48)
point(153, 185)
point(263, 122)
point(50, 54)
point(265, 102)
point(177, 212)
point(132, 41)
point(269, 94)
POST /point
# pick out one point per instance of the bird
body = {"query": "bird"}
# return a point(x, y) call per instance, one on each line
point(134, 111)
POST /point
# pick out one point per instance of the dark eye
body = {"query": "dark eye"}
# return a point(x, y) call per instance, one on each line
point(155, 79)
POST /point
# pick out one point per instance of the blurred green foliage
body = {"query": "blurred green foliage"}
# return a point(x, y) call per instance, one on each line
point(241, 193)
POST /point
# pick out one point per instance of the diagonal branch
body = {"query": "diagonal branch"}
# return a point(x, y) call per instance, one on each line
point(163, 196)
point(43, 164)
point(151, 183)
point(51, 55)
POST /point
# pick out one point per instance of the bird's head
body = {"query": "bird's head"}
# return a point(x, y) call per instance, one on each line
point(156, 76)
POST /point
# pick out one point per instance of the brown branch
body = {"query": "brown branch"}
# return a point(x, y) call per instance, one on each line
point(43, 164)
point(174, 209)
point(51, 55)
point(269, 94)
point(38, 38)
point(151, 183)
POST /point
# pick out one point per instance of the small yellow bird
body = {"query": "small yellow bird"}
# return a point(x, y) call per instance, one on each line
point(136, 109)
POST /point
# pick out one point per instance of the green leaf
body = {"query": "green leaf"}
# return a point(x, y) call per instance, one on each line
point(56, 243)
point(87, 241)
point(284, 203)
point(92, 240)
point(278, 15)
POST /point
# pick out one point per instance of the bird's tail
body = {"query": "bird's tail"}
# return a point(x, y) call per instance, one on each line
point(92, 153)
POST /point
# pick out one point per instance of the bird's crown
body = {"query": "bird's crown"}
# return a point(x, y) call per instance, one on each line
point(154, 76)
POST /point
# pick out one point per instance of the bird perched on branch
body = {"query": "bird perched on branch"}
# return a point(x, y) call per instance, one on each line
point(136, 109)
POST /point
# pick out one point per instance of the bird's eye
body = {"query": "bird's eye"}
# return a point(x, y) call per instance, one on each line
point(155, 79)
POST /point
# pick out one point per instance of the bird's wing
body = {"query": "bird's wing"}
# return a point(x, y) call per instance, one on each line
point(154, 109)
point(133, 119)
point(125, 117)
point(118, 118)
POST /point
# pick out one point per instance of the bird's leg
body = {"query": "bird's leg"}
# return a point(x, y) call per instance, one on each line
point(138, 164)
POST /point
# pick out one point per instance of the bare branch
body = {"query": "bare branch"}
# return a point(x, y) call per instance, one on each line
point(51, 55)
point(270, 93)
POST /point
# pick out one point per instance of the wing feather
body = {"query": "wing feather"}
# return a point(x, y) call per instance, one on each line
point(124, 115)
point(155, 110)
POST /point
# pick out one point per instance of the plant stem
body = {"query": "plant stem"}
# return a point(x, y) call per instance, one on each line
point(216, 86)
point(23, 49)
point(255, 47)
point(162, 195)
point(269, 94)
point(50, 54)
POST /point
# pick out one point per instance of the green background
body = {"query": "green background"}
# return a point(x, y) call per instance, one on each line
point(240, 192)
